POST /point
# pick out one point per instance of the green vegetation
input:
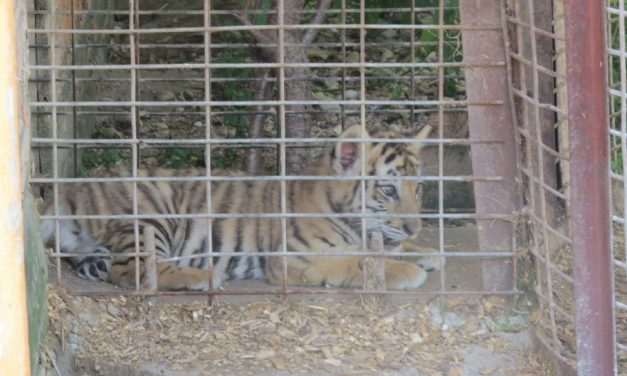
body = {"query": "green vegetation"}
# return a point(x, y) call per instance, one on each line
point(104, 157)
point(616, 160)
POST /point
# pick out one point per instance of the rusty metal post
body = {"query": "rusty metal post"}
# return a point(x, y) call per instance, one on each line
point(490, 122)
point(589, 171)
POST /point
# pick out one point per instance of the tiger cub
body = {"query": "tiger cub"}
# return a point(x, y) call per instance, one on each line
point(176, 237)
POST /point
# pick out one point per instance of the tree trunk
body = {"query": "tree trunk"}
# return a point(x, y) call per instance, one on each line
point(298, 121)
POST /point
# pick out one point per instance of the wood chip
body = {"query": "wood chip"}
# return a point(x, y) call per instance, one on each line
point(285, 332)
point(278, 363)
point(455, 371)
point(333, 362)
point(265, 354)
point(271, 336)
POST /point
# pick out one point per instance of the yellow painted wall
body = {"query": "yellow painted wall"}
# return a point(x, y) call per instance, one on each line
point(14, 349)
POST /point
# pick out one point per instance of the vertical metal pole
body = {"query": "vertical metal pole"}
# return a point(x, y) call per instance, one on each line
point(207, 53)
point(282, 132)
point(589, 169)
point(132, 8)
point(14, 350)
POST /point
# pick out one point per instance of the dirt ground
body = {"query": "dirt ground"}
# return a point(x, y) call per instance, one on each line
point(270, 335)
point(314, 336)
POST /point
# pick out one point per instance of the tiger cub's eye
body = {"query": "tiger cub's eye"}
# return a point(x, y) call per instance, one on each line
point(388, 190)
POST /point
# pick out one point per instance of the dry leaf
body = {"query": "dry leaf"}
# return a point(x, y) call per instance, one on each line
point(275, 316)
point(265, 354)
point(533, 317)
point(416, 338)
point(327, 352)
point(386, 321)
point(278, 363)
point(379, 355)
point(455, 371)
point(333, 362)
point(317, 308)
point(193, 307)
point(285, 332)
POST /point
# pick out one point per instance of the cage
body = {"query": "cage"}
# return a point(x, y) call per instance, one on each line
point(138, 105)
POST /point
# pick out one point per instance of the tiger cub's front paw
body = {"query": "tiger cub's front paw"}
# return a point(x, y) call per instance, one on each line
point(431, 263)
point(428, 263)
point(95, 268)
point(402, 275)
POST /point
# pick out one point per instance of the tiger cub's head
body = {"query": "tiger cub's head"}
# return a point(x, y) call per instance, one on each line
point(386, 194)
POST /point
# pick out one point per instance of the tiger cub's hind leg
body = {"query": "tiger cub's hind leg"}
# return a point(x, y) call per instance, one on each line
point(169, 276)
point(339, 271)
point(343, 271)
point(172, 277)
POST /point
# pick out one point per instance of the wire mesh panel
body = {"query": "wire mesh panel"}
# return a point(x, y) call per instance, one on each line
point(617, 88)
point(200, 121)
point(537, 38)
point(538, 90)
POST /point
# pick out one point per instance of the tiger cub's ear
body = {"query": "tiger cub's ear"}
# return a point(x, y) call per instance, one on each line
point(347, 156)
point(415, 147)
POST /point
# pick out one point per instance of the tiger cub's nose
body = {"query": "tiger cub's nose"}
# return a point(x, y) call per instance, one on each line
point(411, 231)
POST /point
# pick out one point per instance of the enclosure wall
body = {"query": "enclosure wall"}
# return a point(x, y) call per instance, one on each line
point(558, 88)
point(14, 344)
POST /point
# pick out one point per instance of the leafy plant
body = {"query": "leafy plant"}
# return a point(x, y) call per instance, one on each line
point(182, 158)
point(94, 158)
point(616, 161)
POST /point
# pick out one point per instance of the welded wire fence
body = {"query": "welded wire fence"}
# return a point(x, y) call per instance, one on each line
point(537, 36)
point(538, 91)
point(617, 85)
point(121, 86)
